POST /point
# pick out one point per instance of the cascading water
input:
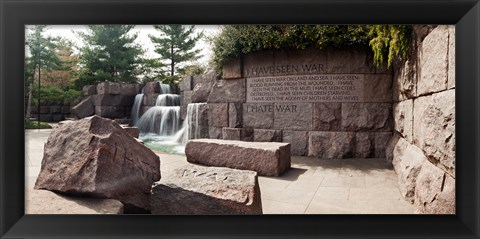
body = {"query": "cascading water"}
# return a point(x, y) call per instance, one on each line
point(191, 129)
point(136, 108)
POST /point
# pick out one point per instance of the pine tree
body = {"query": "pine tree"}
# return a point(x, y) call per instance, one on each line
point(42, 56)
point(110, 54)
point(175, 44)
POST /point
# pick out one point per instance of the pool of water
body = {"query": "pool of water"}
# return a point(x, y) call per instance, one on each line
point(166, 144)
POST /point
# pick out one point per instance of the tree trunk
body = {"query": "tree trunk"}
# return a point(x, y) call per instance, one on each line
point(173, 63)
point(30, 93)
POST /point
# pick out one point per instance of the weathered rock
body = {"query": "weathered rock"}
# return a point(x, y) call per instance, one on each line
point(96, 157)
point(258, 63)
point(300, 62)
point(451, 57)
point(390, 147)
point(89, 90)
point(405, 79)
point(110, 112)
point(296, 116)
point(378, 88)
point(434, 128)
point(152, 88)
point(150, 99)
point(258, 116)
point(366, 116)
point(403, 119)
point(214, 132)
point(364, 145)
point(350, 60)
point(407, 163)
point(380, 140)
point(185, 99)
point(57, 117)
point(144, 109)
point(434, 62)
point(207, 190)
point(84, 108)
point(434, 191)
point(232, 69)
point(331, 145)
point(218, 114)
point(108, 88)
point(265, 158)
point(227, 91)
point(201, 92)
point(133, 131)
point(267, 135)
point(112, 100)
point(327, 116)
point(129, 89)
point(55, 109)
point(46, 202)
point(298, 141)
point(235, 112)
point(186, 84)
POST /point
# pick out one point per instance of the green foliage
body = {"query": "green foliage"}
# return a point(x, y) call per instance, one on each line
point(236, 40)
point(152, 70)
point(109, 55)
point(175, 45)
point(35, 125)
point(55, 95)
point(388, 42)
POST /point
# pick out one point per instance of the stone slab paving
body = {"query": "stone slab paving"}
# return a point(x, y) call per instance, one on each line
point(311, 186)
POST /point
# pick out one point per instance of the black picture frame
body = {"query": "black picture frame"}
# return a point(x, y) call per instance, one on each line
point(14, 15)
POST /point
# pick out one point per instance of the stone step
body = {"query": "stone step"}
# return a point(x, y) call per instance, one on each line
point(265, 158)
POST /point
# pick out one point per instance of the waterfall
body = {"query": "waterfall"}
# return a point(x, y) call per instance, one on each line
point(165, 89)
point(136, 108)
point(191, 129)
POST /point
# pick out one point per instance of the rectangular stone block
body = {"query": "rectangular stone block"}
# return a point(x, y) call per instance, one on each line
point(207, 190)
point(185, 99)
point(451, 57)
point(267, 135)
point(110, 112)
point(89, 90)
point(407, 163)
point(300, 62)
point(214, 132)
point(434, 128)
point(434, 191)
point(259, 63)
point(327, 116)
point(378, 88)
point(66, 110)
point(258, 116)
point(55, 109)
point(298, 141)
point(129, 89)
point(265, 158)
point(46, 118)
point(434, 62)
point(186, 84)
point(380, 143)
point(232, 69)
point(231, 133)
point(218, 113)
point(295, 116)
point(331, 145)
point(227, 91)
point(84, 108)
point(150, 99)
point(152, 88)
point(367, 117)
point(108, 88)
point(364, 145)
point(57, 117)
point(350, 60)
point(235, 112)
point(44, 109)
point(144, 109)
point(405, 80)
point(403, 119)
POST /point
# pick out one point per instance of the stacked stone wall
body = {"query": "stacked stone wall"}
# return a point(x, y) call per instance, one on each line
point(423, 148)
point(346, 111)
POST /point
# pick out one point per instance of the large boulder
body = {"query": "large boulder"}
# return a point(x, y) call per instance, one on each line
point(96, 157)
point(265, 158)
point(46, 202)
point(207, 190)
point(84, 108)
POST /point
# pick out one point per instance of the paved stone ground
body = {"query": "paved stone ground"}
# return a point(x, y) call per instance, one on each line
point(311, 186)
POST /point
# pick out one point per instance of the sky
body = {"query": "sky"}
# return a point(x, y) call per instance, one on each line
point(68, 32)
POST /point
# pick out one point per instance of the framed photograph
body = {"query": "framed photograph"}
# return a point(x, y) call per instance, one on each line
point(325, 104)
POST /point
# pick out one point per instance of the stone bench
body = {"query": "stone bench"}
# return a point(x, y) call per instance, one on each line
point(207, 190)
point(265, 158)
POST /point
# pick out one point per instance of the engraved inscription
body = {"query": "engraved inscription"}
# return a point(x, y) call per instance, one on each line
point(306, 88)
